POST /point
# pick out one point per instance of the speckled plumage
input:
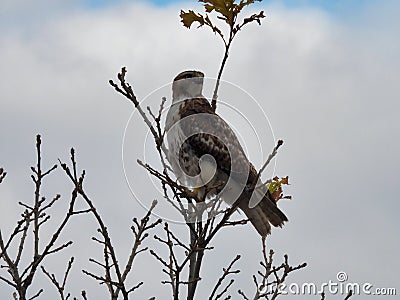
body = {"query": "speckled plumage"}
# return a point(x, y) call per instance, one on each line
point(195, 130)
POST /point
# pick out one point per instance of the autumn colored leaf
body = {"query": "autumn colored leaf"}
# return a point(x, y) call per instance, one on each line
point(285, 180)
point(243, 3)
point(227, 11)
point(209, 8)
point(188, 18)
point(275, 187)
point(255, 17)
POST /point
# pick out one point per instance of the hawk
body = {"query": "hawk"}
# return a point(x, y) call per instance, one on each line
point(205, 154)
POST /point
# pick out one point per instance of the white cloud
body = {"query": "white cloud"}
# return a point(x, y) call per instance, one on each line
point(329, 88)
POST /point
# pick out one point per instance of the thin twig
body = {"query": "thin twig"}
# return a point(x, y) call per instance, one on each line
point(36, 295)
point(33, 218)
point(60, 287)
point(2, 174)
point(349, 295)
point(270, 157)
point(226, 272)
point(127, 91)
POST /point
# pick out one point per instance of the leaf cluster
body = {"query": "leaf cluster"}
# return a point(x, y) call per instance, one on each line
point(275, 187)
point(227, 11)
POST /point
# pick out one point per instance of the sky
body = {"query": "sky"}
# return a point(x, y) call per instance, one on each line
point(321, 75)
point(337, 7)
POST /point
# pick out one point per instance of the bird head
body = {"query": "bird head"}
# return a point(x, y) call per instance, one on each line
point(187, 85)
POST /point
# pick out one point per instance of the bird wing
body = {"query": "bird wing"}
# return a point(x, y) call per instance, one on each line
point(208, 133)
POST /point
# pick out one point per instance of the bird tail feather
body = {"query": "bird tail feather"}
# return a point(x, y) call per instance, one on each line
point(264, 213)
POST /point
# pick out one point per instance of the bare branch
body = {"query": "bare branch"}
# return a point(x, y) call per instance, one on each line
point(83, 293)
point(60, 287)
point(8, 282)
point(349, 295)
point(140, 235)
point(111, 265)
point(265, 289)
point(50, 204)
point(127, 91)
point(78, 189)
point(22, 239)
point(36, 295)
point(33, 218)
point(100, 278)
point(2, 174)
point(226, 272)
point(136, 287)
point(241, 293)
point(59, 248)
point(49, 171)
point(270, 157)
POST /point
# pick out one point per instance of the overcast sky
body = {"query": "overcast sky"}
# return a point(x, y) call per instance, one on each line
point(325, 77)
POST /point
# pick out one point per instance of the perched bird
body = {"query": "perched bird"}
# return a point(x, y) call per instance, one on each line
point(205, 154)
